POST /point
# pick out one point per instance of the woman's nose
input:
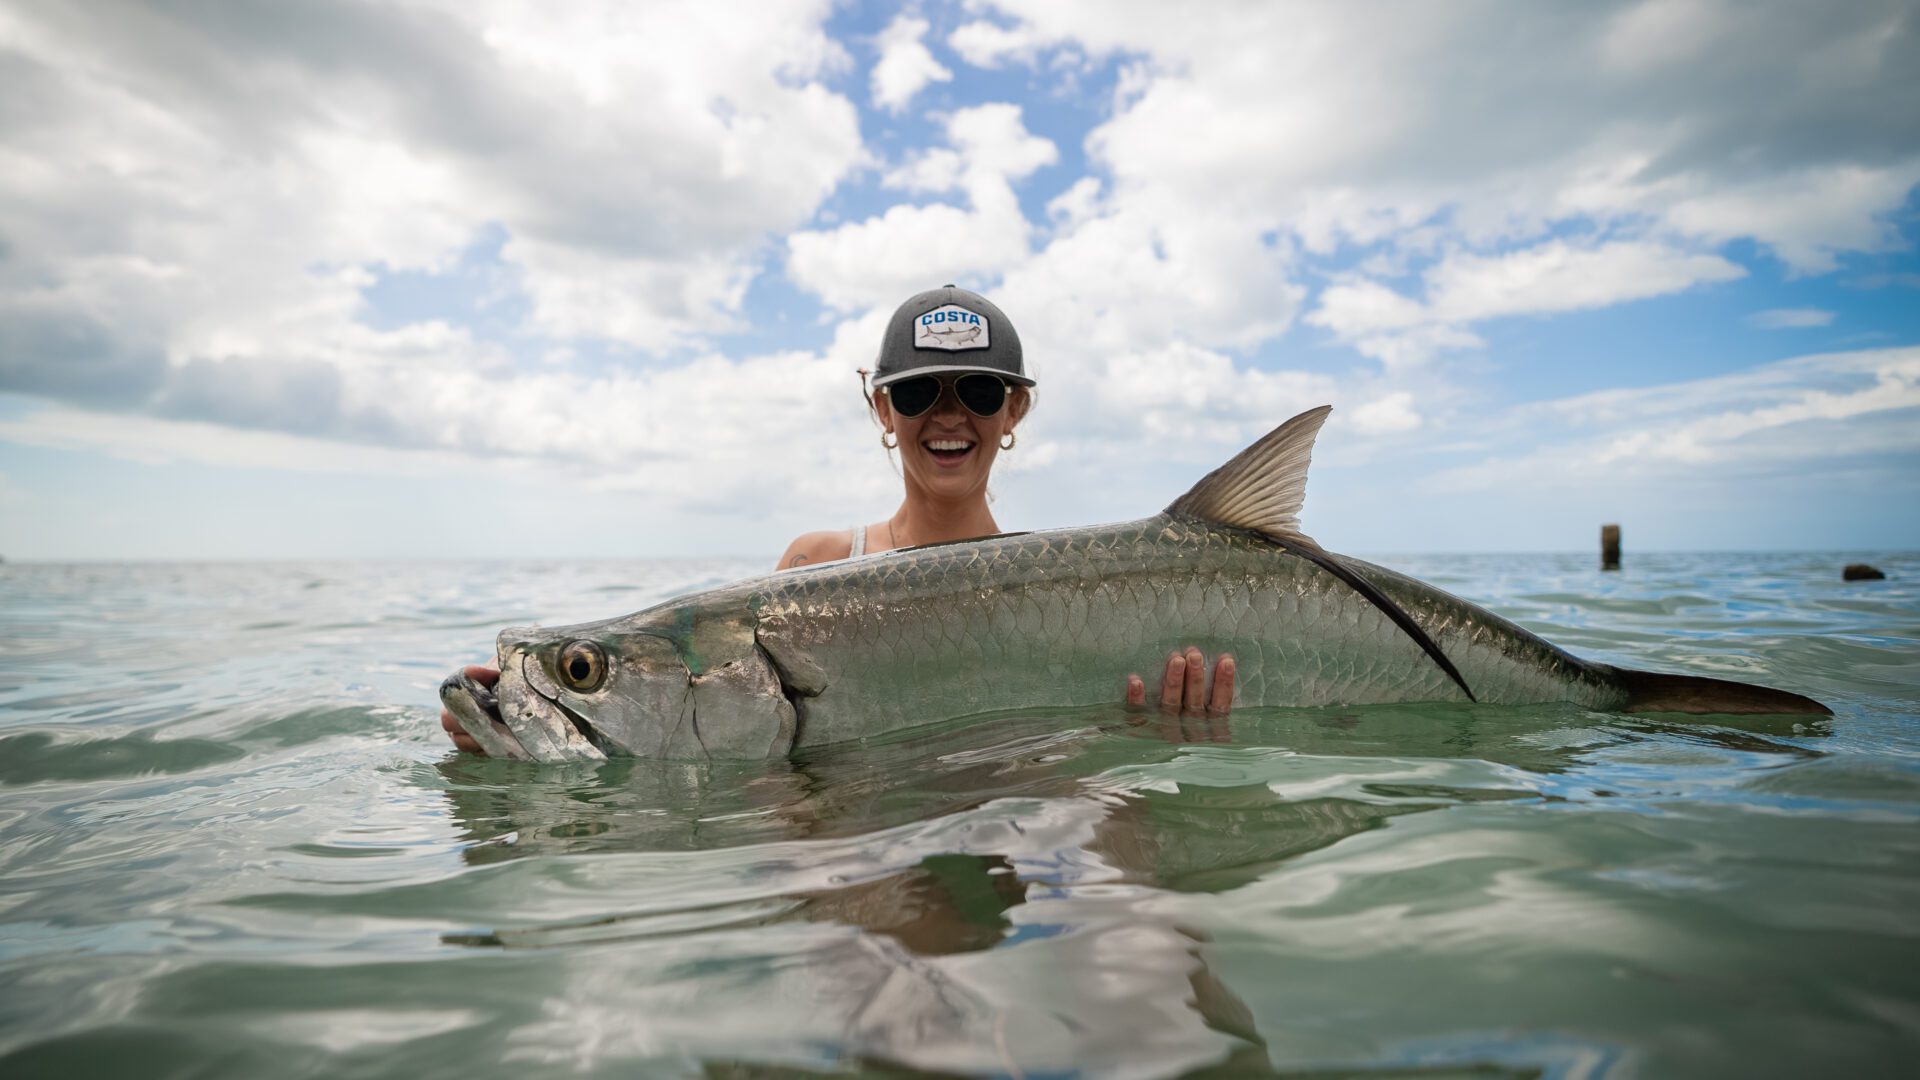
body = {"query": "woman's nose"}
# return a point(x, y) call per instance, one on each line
point(947, 403)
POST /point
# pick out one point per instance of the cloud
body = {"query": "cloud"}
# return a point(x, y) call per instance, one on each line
point(905, 66)
point(192, 178)
point(1558, 276)
point(1808, 216)
point(156, 441)
point(883, 259)
point(1790, 318)
point(1128, 275)
point(692, 435)
point(1466, 288)
point(1182, 394)
point(1392, 413)
point(986, 45)
point(193, 204)
point(1792, 414)
point(1777, 122)
point(65, 354)
point(199, 213)
point(1590, 157)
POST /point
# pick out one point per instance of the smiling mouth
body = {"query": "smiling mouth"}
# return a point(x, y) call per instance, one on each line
point(948, 451)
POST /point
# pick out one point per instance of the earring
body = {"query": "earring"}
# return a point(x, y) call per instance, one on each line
point(1007, 443)
point(889, 445)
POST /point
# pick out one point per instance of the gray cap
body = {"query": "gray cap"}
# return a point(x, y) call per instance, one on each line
point(949, 329)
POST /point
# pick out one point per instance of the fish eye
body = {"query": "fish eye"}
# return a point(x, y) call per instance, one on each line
point(582, 666)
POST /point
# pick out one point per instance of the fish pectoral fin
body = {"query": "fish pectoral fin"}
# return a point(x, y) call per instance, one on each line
point(1264, 485)
point(800, 674)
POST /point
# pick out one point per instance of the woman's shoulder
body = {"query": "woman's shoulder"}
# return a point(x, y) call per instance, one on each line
point(817, 547)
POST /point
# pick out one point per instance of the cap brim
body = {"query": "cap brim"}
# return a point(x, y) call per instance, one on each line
point(949, 369)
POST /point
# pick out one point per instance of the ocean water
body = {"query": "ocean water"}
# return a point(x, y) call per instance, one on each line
point(234, 842)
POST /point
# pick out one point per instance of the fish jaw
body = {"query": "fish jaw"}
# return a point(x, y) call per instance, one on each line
point(478, 711)
point(512, 719)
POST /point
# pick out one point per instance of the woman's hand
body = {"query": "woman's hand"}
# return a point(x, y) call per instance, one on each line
point(485, 675)
point(1184, 684)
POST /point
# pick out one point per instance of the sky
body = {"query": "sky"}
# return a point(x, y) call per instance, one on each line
point(462, 278)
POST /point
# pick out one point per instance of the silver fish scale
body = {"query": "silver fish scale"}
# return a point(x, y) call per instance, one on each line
point(1059, 618)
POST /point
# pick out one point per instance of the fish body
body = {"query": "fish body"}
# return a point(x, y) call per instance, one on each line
point(903, 638)
point(1059, 617)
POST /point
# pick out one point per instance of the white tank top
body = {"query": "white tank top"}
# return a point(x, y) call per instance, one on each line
point(859, 541)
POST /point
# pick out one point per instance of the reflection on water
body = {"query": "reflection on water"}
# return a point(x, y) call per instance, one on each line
point(232, 844)
point(1055, 833)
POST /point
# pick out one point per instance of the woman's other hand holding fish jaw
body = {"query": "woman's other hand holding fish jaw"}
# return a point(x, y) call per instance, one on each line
point(485, 675)
point(1184, 686)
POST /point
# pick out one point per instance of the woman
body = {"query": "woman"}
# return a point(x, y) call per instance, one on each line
point(949, 389)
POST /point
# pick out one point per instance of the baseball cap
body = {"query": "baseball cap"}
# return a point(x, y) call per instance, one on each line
point(949, 329)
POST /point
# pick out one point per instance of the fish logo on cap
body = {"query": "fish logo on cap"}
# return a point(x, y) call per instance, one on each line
point(952, 328)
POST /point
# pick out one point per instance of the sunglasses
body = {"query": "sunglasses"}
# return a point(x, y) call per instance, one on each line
point(981, 395)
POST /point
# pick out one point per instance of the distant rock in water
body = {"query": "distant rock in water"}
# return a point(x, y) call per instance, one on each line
point(1860, 571)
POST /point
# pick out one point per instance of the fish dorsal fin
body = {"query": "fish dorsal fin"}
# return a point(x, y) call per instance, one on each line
point(1263, 486)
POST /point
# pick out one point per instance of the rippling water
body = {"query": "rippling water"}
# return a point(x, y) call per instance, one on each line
point(233, 842)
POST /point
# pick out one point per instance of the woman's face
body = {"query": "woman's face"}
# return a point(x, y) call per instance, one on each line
point(947, 451)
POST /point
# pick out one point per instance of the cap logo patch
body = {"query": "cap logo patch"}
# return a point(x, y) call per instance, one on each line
point(952, 328)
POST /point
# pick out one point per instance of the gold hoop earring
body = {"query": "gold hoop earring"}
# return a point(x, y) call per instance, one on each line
point(889, 445)
point(1007, 442)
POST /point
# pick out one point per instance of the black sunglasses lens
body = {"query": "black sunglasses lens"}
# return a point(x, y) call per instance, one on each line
point(981, 394)
point(911, 397)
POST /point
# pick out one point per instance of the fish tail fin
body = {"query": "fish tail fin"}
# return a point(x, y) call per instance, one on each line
point(1659, 692)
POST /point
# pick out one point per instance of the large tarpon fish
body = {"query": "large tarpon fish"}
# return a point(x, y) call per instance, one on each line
point(886, 641)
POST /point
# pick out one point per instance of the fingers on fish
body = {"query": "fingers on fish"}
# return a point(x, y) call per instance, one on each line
point(1195, 695)
point(1220, 700)
point(1173, 681)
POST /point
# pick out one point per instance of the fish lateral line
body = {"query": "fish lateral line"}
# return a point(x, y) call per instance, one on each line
point(1328, 561)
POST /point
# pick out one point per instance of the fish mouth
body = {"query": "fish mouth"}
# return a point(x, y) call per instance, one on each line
point(477, 708)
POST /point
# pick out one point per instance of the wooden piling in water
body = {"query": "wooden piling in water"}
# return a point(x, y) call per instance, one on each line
point(1609, 547)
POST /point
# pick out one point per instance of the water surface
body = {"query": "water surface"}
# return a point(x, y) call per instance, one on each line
point(233, 842)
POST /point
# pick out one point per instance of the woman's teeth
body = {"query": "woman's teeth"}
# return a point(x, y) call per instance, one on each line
point(948, 451)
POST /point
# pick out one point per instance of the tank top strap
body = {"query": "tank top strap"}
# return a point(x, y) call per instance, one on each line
point(859, 541)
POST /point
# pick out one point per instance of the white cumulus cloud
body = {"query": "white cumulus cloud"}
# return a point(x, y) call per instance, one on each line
point(179, 186)
point(1393, 413)
point(883, 259)
point(1778, 122)
point(906, 66)
point(200, 210)
point(1796, 412)
point(987, 45)
point(1466, 288)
